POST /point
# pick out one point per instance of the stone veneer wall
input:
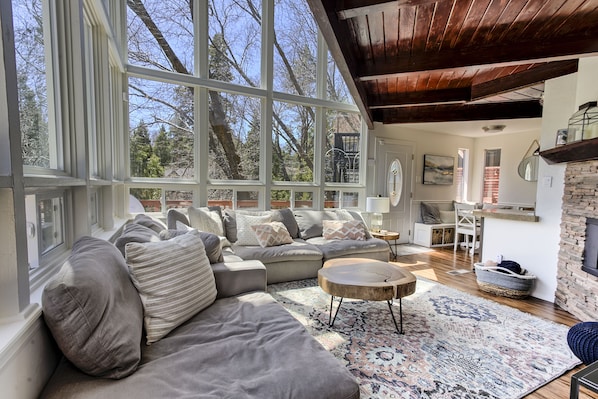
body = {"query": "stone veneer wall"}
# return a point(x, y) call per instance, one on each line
point(577, 291)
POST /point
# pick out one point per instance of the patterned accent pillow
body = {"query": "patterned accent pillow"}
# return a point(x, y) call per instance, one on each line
point(245, 234)
point(343, 230)
point(272, 234)
point(174, 280)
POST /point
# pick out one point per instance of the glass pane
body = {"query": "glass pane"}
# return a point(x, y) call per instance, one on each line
point(32, 81)
point(304, 199)
point(150, 198)
point(51, 223)
point(350, 199)
point(331, 199)
point(292, 142)
point(234, 137)
point(93, 208)
point(172, 23)
point(161, 129)
point(336, 88)
point(178, 199)
point(342, 147)
point(295, 48)
point(220, 197)
point(247, 199)
point(235, 41)
point(280, 199)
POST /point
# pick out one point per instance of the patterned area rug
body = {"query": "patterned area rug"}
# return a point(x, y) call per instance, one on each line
point(455, 345)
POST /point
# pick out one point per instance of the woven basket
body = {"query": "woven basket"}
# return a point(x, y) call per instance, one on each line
point(503, 282)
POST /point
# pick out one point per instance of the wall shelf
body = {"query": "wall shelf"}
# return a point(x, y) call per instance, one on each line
point(583, 150)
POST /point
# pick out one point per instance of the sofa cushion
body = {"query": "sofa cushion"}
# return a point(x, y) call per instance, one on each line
point(310, 222)
point(343, 230)
point(271, 234)
point(173, 216)
point(148, 221)
point(430, 213)
point(94, 312)
point(247, 346)
point(298, 250)
point(174, 280)
point(342, 248)
point(287, 217)
point(134, 232)
point(210, 241)
point(245, 234)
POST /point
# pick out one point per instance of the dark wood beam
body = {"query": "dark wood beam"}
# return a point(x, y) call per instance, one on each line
point(464, 112)
point(346, 9)
point(558, 49)
point(522, 79)
point(341, 51)
point(422, 97)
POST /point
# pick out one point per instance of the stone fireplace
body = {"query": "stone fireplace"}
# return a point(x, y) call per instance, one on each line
point(577, 290)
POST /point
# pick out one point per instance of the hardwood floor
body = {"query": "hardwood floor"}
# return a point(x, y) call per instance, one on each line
point(434, 265)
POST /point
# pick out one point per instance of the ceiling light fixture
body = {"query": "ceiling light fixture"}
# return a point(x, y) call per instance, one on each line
point(493, 128)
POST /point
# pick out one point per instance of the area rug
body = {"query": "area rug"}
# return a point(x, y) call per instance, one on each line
point(411, 249)
point(455, 345)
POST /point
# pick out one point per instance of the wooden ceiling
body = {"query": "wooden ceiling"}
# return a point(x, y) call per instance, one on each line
point(409, 61)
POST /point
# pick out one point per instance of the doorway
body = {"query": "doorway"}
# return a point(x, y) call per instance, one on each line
point(389, 155)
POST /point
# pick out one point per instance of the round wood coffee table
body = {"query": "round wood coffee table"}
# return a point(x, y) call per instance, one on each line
point(366, 279)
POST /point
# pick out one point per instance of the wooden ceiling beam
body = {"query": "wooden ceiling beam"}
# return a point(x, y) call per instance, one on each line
point(498, 55)
point(464, 112)
point(460, 95)
point(522, 79)
point(346, 9)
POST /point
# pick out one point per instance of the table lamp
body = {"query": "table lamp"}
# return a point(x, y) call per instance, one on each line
point(377, 206)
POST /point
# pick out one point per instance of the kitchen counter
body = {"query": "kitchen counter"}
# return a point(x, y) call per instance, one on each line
point(506, 214)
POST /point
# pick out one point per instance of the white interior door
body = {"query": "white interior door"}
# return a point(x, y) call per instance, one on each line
point(399, 217)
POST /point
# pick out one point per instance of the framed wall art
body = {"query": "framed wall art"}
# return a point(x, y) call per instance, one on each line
point(438, 169)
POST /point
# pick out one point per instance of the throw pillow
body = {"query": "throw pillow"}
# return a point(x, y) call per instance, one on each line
point(272, 234)
point(133, 232)
point(343, 230)
point(174, 280)
point(245, 234)
point(148, 221)
point(447, 216)
point(230, 224)
point(288, 219)
point(173, 216)
point(430, 214)
point(210, 241)
point(207, 219)
point(94, 312)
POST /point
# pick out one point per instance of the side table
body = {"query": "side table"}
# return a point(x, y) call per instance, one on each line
point(587, 377)
point(388, 236)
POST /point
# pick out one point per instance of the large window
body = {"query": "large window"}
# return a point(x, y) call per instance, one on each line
point(224, 102)
point(33, 22)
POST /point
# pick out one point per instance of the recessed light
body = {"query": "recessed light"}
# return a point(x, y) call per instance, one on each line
point(493, 128)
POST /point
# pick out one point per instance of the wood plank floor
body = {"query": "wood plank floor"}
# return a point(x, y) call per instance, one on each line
point(434, 265)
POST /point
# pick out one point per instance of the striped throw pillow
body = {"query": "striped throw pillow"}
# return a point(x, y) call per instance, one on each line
point(174, 280)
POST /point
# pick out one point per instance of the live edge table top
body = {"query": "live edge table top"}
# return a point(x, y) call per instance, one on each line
point(366, 279)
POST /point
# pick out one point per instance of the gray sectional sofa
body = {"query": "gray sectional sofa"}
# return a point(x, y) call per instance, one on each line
point(297, 260)
point(233, 339)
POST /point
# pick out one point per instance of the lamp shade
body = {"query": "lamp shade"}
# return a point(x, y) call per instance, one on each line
point(377, 204)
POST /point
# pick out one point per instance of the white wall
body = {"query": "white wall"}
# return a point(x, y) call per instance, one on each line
point(512, 188)
point(539, 251)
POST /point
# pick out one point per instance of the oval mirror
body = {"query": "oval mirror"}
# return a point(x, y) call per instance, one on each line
point(528, 168)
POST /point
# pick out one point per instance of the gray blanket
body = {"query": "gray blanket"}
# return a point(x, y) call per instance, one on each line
point(240, 347)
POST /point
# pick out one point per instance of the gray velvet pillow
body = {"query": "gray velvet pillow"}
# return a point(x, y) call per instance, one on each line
point(310, 222)
point(134, 232)
point(430, 214)
point(230, 225)
point(174, 216)
point(149, 222)
point(94, 312)
point(210, 241)
point(287, 218)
